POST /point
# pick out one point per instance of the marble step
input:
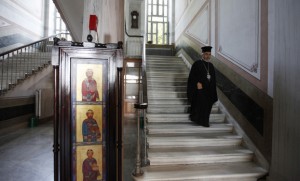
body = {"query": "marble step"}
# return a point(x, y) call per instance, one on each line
point(169, 69)
point(166, 128)
point(181, 118)
point(167, 74)
point(168, 79)
point(163, 58)
point(166, 64)
point(167, 88)
point(196, 155)
point(241, 171)
point(167, 101)
point(215, 107)
point(193, 139)
point(175, 63)
point(161, 105)
point(161, 94)
point(174, 109)
point(163, 84)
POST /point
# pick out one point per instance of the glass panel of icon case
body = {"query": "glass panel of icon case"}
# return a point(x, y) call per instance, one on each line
point(89, 93)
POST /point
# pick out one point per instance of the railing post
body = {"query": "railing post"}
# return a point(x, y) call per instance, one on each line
point(138, 171)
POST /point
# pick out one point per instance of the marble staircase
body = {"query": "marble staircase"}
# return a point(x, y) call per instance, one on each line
point(15, 69)
point(178, 149)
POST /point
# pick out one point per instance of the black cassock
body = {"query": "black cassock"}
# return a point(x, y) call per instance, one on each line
point(201, 100)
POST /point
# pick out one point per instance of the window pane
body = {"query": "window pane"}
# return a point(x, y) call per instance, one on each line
point(154, 10)
point(63, 26)
point(166, 11)
point(149, 10)
point(131, 89)
point(166, 28)
point(154, 1)
point(149, 37)
point(57, 24)
point(149, 1)
point(132, 72)
point(160, 10)
point(157, 19)
point(154, 28)
point(154, 39)
point(160, 33)
point(149, 27)
point(160, 1)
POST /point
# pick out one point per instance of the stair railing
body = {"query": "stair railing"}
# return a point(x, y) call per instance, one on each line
point(141, 108)
point(19, 63)
point(144, 98)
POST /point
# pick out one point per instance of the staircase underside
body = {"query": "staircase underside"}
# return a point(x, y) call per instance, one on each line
point(178, 149)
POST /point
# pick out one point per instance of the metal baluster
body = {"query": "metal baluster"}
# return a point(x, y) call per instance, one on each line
point(25, 63)
point(17, 72)
point(32, 55)
point(145, 139)
point(11, 62)
point(36, 56)
point(2, 73)
point(40, 54)
point(7, 71)
point(138, 171)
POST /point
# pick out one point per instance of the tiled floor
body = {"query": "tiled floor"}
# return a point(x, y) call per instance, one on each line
point(129, 146)
point(26, 154)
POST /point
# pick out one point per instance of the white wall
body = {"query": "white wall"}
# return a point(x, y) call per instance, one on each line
point(110, 15)
point(21, 22)
point(133, 45)
point(236, 30)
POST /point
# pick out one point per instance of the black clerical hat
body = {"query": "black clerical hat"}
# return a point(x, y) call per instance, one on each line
point(206, 49)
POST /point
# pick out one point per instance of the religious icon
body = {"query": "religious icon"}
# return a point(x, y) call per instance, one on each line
point(89, 82)
point(90, 128)
point(90, 169)
point(89, 163)
point(89, 123)
point(89, 87)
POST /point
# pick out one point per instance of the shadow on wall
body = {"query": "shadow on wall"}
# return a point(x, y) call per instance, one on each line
point(107, 38)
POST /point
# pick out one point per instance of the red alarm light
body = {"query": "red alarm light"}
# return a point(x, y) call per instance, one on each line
point(93, 22)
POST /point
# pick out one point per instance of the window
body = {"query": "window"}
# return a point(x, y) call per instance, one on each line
point(158, 25)
point(60, 27)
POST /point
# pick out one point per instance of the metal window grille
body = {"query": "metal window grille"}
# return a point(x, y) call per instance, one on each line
point(157, 18)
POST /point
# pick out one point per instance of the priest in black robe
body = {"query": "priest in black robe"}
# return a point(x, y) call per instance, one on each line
point(201, 88)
